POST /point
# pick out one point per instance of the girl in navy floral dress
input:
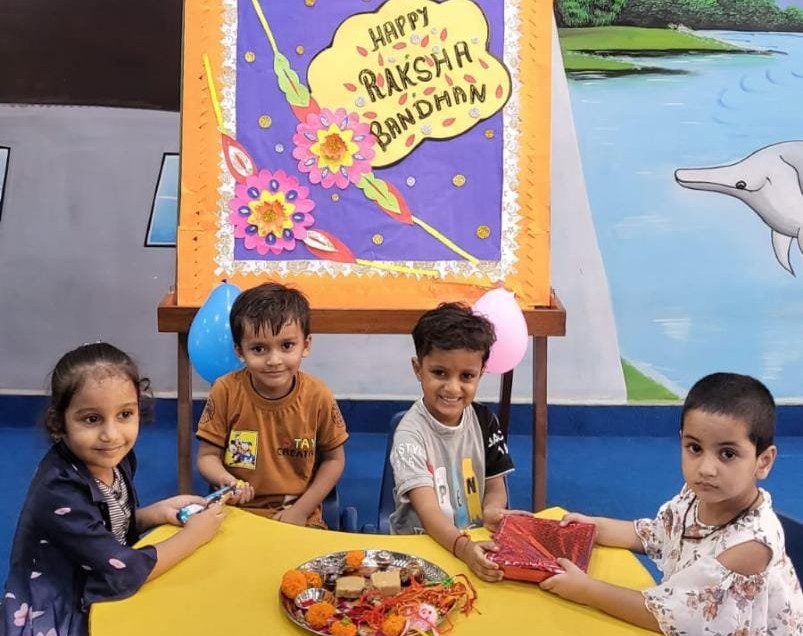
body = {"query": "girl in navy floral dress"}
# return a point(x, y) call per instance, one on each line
point(73, 545)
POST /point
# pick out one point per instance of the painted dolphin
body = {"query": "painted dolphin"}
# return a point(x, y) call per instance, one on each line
point(770, 181)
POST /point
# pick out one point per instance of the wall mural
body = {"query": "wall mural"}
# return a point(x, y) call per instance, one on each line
point(675, 105)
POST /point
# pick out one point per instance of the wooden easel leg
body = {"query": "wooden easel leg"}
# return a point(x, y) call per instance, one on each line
point(184, 416)
point(539, 422)
point(505, 390)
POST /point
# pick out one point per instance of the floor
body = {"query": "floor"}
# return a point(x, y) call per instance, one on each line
point(617, 476)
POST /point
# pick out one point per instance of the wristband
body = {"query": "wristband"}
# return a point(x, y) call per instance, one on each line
point(461, 535)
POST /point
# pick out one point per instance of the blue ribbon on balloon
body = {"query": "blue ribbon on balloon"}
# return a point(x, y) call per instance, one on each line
point(210, 343)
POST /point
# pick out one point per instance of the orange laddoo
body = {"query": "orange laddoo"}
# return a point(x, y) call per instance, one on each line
point(313, 578)
point(343, 627)
point(318, 614)
point(393, 625)
point(293, 583)
point(354, 559)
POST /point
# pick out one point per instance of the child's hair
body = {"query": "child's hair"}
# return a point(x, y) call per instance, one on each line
point(72, 370)
point(738, 396)
point(453, 326)
point(269, 304)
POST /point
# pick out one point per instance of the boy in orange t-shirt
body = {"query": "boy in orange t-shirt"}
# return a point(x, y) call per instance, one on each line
point(270, 425)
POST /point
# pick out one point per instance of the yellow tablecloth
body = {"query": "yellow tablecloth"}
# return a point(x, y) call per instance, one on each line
point(230, 586)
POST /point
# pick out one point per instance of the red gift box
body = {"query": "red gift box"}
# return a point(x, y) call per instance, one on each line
point(529, 547)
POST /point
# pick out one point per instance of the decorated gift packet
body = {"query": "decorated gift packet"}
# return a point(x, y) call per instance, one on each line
point(529, 547)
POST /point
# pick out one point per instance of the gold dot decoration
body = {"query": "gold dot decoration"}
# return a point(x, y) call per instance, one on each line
point(483, 232)
point(250, 56)
point(489, 134)
point(377, 239)
point(309, 3)
point(335, 197)
point(300, 50)
point(459, 180)
point(265, 121)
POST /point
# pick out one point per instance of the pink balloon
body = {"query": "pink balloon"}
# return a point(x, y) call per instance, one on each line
point(500, 307)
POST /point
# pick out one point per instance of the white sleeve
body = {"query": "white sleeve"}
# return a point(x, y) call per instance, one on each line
point(408, 458)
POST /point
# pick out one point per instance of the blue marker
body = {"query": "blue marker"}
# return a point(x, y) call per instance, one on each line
point(187, 511)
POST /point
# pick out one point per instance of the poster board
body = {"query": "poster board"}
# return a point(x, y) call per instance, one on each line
point(375, 154)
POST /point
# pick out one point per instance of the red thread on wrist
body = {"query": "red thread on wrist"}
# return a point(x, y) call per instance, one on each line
point(462, 535)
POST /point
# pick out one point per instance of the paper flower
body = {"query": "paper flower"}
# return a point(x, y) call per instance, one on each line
point(333, 148)
point(270, 211)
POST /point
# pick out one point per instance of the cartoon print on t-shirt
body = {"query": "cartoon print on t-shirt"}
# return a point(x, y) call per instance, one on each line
point(241, 451)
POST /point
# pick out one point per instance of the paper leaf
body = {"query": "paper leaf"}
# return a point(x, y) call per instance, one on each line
point(295, 92)
point(238, 161)
point(301, 112)
point(404, 214)
point(325, 246)
point(377, 190)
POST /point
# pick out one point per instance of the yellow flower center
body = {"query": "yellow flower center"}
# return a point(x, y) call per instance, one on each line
point(334, 148)
point(271, 214)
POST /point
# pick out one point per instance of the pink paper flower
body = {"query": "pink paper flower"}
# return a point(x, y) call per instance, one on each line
point(334, 148)
point(270, 211)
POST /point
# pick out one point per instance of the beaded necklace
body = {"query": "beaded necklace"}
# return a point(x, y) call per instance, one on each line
point(697, 536)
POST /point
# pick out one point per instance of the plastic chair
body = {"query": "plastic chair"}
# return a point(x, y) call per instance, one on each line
point(793, 531)
point(386, 503)
point(330, 509)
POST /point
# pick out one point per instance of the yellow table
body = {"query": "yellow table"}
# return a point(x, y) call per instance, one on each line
point(230, 586)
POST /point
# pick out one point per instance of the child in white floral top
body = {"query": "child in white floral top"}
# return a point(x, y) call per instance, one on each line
point(718, 543)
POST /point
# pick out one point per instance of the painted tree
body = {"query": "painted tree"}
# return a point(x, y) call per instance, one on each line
point(660, 13)
point(580, 13)
point(753, 15)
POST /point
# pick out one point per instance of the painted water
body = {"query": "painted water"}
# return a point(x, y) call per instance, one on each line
point(694, 281)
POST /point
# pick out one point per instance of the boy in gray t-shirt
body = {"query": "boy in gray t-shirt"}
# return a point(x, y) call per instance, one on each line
point(449, 457)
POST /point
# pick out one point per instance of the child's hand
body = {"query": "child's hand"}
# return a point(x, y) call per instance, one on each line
point(167, 509)
point(205, 524)
point(245, 494)
point(576, 517)
point(472, 553)
point(571, 584)
point(291, 515)
point(491, 517)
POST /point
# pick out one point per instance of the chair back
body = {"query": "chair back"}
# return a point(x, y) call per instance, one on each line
point(330, 509)
point(793, 531)
point(386, 503)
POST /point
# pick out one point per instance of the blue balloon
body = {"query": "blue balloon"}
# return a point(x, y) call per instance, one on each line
point(210, 344)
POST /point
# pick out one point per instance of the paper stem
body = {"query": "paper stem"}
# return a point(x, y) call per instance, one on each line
point(403, 269)
point(210, 80)
point(446, 241)
point(265, 26)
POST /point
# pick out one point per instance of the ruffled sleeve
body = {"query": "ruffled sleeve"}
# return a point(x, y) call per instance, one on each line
point(654, 533)
point(706, 597)
point(75, 526)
